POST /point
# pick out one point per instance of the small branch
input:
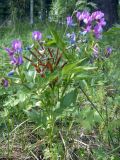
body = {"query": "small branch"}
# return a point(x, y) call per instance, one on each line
point(86, 145)
point(34, 155)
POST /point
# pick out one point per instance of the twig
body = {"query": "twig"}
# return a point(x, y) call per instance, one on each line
point(34, 155)
point(18, 126)
point(86, 145)
point(63, 141)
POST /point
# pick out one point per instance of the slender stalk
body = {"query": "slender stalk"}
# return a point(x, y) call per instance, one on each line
point(8, 146)
point(115, 150)
point(95, 107)
point(92, 104)
point(107, 123)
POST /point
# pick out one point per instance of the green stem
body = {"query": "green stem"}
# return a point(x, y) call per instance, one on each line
point(92, 104)
point(107, 122)
point(114, 150)
point(95, 107)
point(8, 146)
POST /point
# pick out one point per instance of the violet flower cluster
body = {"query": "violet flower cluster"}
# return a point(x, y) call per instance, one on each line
point(69, 21)
point(15, 55)
point(72, 37)
point(100, 54)
point(4, 83)
point(90, 22)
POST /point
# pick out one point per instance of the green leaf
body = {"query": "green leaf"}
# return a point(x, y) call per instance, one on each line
point(38, 117)
point(84, 68)
point(66, 104)
point(68, 99)
point(50, 43)
point(70, 67)
point(56, 38)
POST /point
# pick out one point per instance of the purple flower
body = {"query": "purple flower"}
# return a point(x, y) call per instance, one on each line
point(69, 21)
point(11, 73)
point(95, 52)
point(20, 60)
point(13, 60)
point(102, 22)
point(72, 37)
point(36, 35)
point(87, 30)
point(108, 51)
point(68, 35)
point(9, 51)
point(16, 60)
point(78, 14)
point(29, 47)
point(98, 28)
point(17, 45)
point(97, 15)
point(87, 20)
point(94, 22)
point(85, 16)
point(97, 31)
point(5, 82)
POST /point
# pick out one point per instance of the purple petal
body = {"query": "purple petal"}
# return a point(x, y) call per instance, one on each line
point(69, 21)
point(11, 73)
point(87, 30)
point(36, 35)
point(9, 51)
point(102, 22)
point(78, 14)
point(20, 60)
point(13, 60)
point(108, 51)
point(17, 45)
point(5, 82)
point(97, 15)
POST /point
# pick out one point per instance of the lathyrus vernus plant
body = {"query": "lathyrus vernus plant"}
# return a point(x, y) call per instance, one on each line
point(53, 72)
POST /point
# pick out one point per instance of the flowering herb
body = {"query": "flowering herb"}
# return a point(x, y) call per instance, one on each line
point(36, 35)
point(17, 46)
point(97, 15)
point(45, 60)
point(108, 52)
point(11, 73)
point(90, 22)
point(15, 55)
point(72, 37)
point(69, 21)
point(4, 82)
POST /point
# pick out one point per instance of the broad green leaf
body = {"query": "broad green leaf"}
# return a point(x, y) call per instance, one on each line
point(70, 67)
point(66, 104)
point(38, 117)
point(68, 99)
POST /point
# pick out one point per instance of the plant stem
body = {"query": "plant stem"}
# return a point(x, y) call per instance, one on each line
point(92, 104)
